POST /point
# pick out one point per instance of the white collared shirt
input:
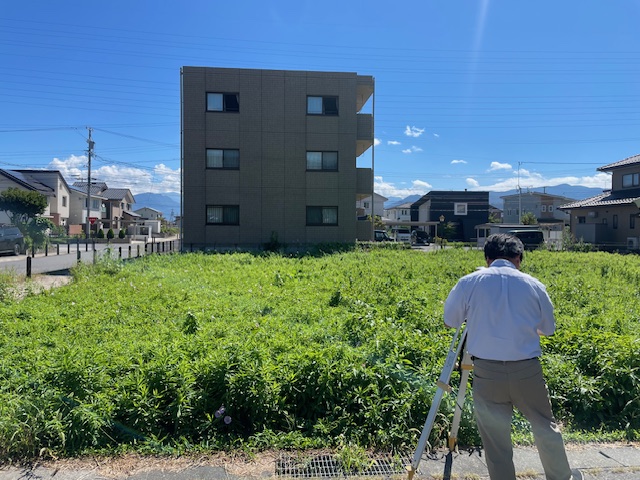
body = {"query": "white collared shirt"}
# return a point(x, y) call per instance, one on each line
point(504, 309)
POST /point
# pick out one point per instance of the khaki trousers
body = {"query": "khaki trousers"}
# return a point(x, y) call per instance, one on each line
point(498, 387)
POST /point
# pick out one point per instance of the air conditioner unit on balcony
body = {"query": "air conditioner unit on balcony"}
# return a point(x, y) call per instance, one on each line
point(632, 243)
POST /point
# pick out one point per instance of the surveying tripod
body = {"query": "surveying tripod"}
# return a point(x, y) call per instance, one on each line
point(458, 345)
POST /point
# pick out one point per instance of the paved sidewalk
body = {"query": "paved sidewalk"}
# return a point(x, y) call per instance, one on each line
point(597, 462)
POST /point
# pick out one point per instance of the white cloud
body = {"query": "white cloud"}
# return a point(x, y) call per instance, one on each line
point(472, 182)
point(413, 131)
point(499, 166)
point(418, 187)
point(393, 142)
point(455, 162)
point(421, 184)
point(413, 149)
point(376, 142)
point(437, 135)
point(159, 179)
point(535, 180)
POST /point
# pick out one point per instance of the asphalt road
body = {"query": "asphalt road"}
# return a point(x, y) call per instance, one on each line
point(63, 258)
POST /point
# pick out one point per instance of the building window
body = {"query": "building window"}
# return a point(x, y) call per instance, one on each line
point(223, 215)
point(64, 201)
point(322, 105)
point(631, 180)
point(582, 219)
point(615, 221)
point(322, 161)
point(460, 208)
point(544, 208)
point(94, 204)
point(322, 216)
point(366, 204)
point(632, 221)
point(223, 102)
point(226, 159)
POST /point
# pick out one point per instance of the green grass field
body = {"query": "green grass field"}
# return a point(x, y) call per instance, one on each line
point(194, 352)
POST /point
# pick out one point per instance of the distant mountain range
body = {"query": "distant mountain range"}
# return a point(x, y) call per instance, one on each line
point(564, 190)
point(167, 203)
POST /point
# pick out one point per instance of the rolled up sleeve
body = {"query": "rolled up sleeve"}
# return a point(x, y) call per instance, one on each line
point(455, 307)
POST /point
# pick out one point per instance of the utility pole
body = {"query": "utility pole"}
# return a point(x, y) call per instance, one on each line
point(89, 154)
point(519, 196)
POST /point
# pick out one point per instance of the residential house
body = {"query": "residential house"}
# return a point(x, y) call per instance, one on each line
point(50, 183)
point(364, 205)
point(610, 219)
point(399, 213)
point(271, 154)
point(542, 205)
point(78, 210)
point(148, 213)
point(149, 221)
point(461, 210)
point(116, 206)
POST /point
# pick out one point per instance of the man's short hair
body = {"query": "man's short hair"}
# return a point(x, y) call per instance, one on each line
point(502, 245)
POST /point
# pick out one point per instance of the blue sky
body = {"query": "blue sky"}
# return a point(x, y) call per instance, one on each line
point(482, 95)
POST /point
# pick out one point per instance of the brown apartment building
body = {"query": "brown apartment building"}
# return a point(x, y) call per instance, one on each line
point(271, 154)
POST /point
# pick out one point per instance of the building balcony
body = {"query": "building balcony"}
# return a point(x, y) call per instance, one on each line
point(364, 181)
point(365, 85)
point(364, 133)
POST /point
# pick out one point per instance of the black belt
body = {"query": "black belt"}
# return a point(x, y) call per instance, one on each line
point(474, 358)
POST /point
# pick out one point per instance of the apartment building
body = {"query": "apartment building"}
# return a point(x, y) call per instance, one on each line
point(271, 154)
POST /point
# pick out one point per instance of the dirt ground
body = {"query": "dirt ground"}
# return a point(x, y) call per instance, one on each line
point(256, 466)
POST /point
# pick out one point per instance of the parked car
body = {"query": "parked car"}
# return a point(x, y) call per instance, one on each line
point(402, 235)
point(420, 237)
point(11, 240)
point(381, 236)
point(531, 239)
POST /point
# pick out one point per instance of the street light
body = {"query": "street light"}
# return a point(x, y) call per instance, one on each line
point(441, 237)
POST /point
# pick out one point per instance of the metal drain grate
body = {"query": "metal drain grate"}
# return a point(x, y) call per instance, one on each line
point(329, 466)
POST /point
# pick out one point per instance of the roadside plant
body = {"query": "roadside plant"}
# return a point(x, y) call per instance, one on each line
point(317, 350)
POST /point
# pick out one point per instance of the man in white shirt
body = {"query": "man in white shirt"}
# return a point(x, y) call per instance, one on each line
point(506, 311)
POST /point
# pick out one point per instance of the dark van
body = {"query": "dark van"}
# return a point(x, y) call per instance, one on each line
point(531, 239)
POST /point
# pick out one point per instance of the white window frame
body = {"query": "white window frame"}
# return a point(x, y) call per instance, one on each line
point(460, 208)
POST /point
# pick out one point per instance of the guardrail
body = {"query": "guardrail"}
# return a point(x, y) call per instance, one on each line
point(117, 250)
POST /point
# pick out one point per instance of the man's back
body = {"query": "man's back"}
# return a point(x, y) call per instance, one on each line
point(504, 310)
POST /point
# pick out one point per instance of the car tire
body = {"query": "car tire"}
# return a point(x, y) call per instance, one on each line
point(17, 249)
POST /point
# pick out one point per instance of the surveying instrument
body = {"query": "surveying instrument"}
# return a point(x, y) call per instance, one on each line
point(457, 349)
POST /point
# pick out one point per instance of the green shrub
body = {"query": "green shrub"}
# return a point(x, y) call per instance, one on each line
point(336, 350)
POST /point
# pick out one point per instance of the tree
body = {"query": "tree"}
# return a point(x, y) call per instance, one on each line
point(377, 222)
point(528, 218)
point(494, 217)
point(38, 230)
point(22, 206)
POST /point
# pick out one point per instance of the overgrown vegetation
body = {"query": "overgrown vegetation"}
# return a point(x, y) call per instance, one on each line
point(195, 352)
